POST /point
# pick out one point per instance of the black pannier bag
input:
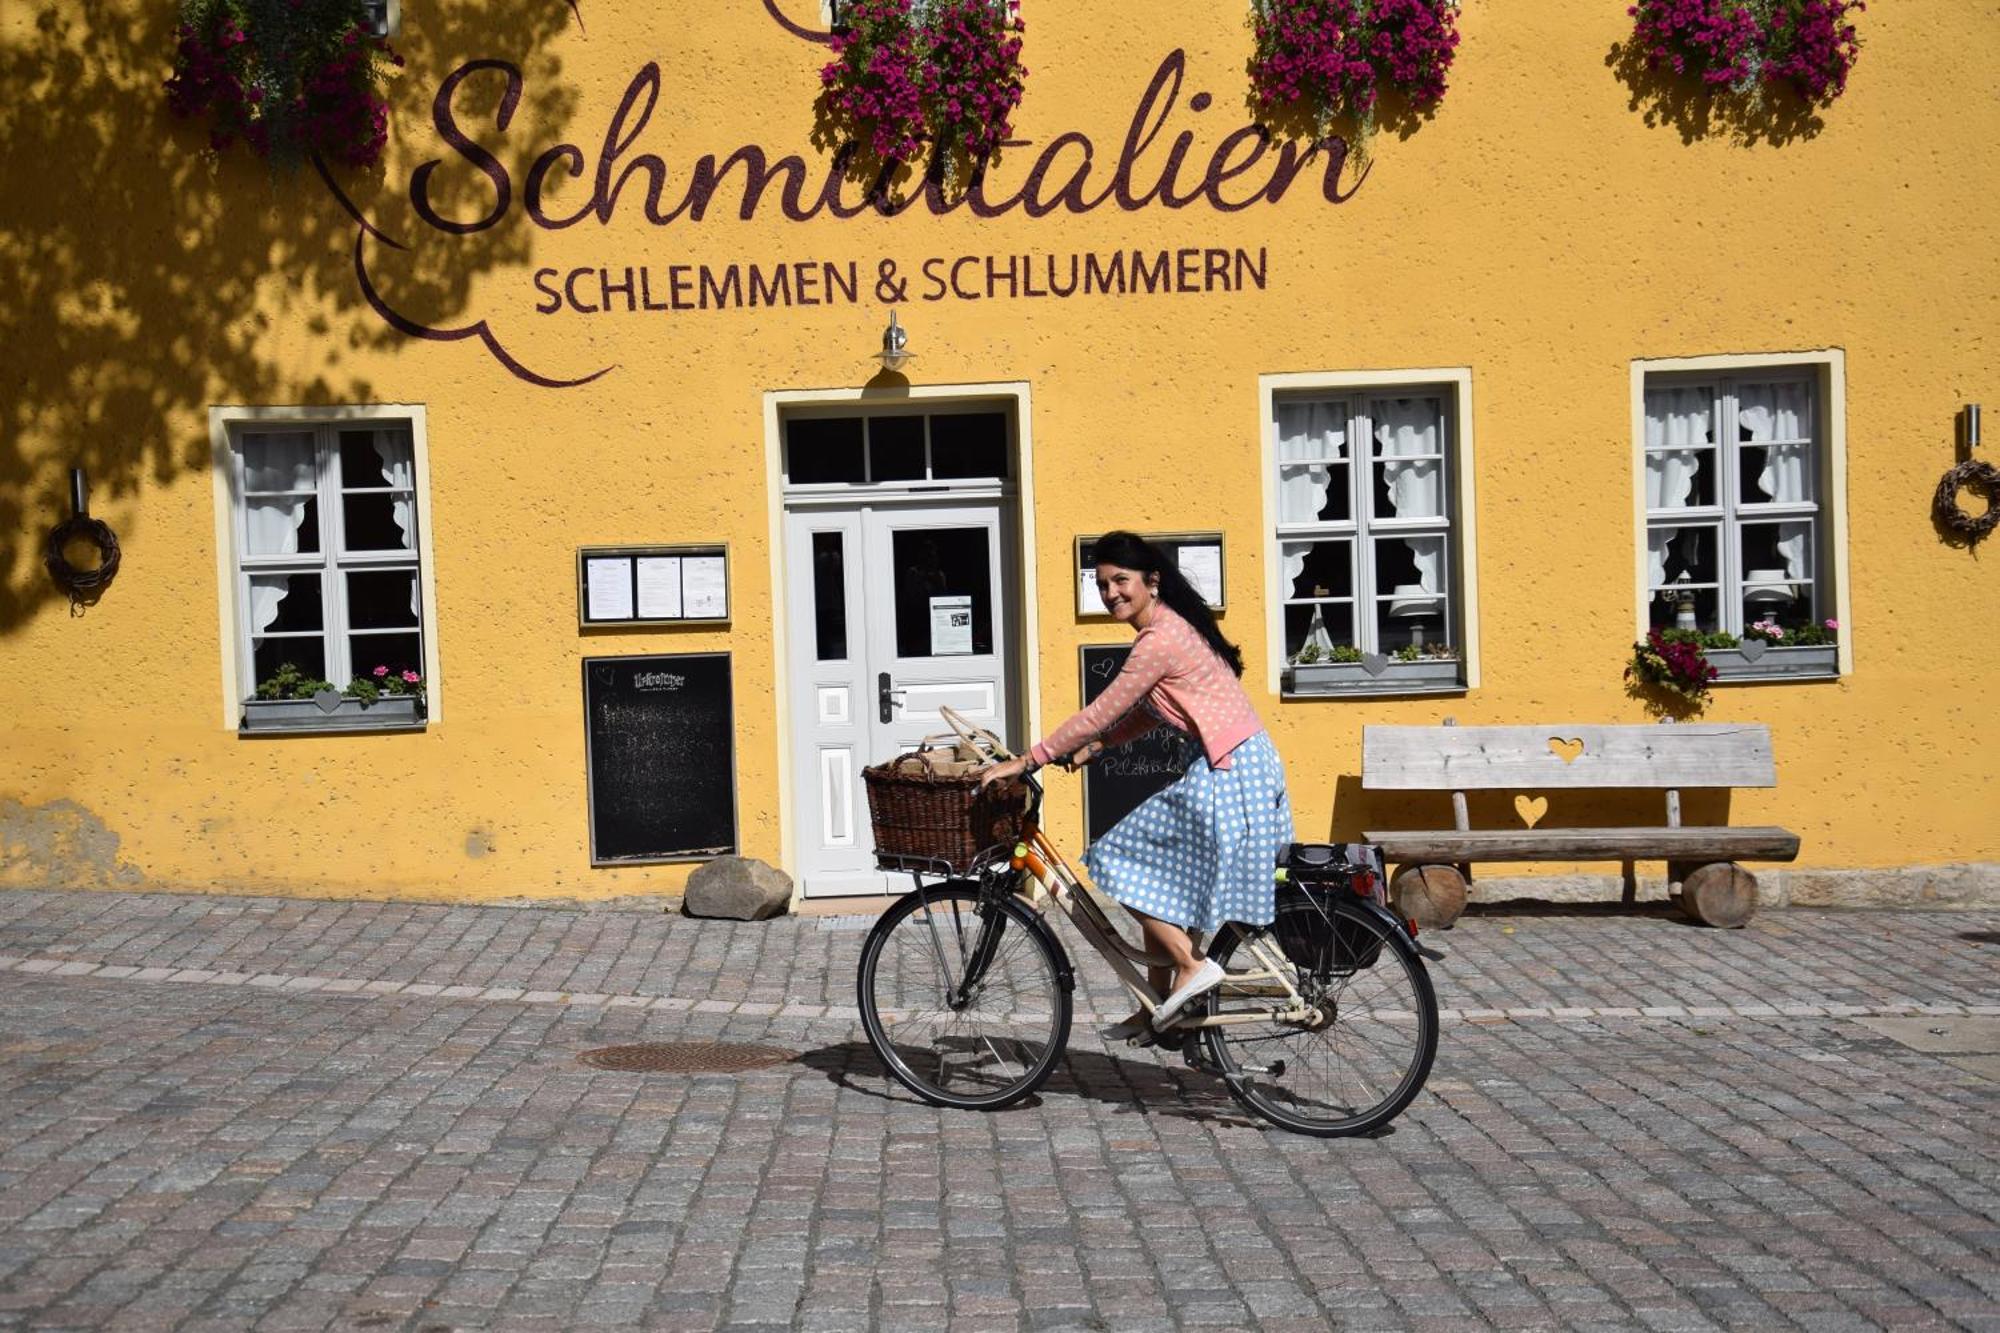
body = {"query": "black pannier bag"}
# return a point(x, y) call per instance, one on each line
point(1313, 938)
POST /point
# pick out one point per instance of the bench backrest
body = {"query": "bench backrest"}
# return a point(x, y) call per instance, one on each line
point(1699, 754)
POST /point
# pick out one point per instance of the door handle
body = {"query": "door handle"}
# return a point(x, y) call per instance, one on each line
point(887, 697)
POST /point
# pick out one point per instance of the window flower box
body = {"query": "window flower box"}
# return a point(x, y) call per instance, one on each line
point(1819, 662)
point(1424, 676)
point(330, 712)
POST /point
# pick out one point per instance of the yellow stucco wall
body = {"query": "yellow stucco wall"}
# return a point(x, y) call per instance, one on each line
point(1538, 231)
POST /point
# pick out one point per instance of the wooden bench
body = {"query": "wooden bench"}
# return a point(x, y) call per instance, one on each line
point(1434, 866)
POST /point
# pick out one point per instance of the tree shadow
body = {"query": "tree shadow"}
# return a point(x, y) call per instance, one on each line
point(1136, 1087)
point(1696, 111)
point(149, 278)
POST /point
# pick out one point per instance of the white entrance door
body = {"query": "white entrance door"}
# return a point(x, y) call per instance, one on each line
point(898, 609)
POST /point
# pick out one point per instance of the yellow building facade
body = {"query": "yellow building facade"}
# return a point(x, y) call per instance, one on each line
point(1479, 401)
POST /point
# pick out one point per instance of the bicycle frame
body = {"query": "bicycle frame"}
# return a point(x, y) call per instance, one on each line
point(1044, 867)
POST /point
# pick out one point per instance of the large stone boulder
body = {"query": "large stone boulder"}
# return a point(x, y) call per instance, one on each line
point(740, 888)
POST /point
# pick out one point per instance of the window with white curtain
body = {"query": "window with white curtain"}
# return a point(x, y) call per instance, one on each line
point(1366, 536)
point(327, 551)
point(1733, 502)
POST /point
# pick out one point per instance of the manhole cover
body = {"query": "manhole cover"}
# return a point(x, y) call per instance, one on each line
point(686, 1057)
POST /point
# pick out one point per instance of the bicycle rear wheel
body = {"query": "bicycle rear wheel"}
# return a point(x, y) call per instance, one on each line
point(965, 996)
point(1361, 1063)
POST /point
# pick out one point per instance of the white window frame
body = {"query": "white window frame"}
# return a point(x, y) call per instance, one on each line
point(224, 425)
point(385, 17)
point(1826, 369)
point(1454, 384)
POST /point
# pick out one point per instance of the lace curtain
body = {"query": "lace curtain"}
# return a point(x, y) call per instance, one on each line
point(1777, 420)
point(1307, 431)
point(275, 462)
point(1679, 426)
point(1404, 428)
point(399, 470)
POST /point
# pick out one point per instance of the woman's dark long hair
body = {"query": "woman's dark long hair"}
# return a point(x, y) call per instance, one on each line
point(1129, 550)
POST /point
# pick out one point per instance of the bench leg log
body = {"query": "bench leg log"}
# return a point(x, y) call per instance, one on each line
point(1721, 893)
point(1432, 896)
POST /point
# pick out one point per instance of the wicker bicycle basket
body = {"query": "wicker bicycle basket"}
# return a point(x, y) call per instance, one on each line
point(925, 811)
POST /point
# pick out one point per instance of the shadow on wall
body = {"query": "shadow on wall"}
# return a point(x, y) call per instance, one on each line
point(1697, 111)
point(1355, 811)
point(145, 277)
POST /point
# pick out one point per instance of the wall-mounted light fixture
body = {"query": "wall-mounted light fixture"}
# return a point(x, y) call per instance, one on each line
point(895, 353)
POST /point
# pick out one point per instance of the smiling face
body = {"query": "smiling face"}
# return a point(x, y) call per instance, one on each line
point(1128, 594)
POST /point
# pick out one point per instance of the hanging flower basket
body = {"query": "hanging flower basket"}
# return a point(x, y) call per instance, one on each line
point(291, 78)
point(1674, 664)
point(1334, 59)
point(917, 77)
point(1751, 47)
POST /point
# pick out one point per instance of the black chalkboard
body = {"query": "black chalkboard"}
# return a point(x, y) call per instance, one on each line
point(1119, 779)
point(661, 748)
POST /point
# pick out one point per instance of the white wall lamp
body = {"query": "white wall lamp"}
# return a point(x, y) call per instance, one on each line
point(895, 353)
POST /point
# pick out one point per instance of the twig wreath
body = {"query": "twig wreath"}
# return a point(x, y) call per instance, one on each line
point(82, 583)
point(1979, 477)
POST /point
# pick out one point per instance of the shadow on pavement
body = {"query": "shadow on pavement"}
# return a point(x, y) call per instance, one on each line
point(1137, 1086)
point(1543, 907)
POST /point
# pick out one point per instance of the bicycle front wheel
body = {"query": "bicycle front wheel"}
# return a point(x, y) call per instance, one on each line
point(1353, 1068)
point(965, 996)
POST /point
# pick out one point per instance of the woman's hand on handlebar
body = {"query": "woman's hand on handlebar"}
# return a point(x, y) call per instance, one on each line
point(1089, 751)
point(1012, 768)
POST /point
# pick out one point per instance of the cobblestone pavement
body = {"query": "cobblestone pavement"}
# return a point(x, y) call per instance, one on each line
point(226, 1113)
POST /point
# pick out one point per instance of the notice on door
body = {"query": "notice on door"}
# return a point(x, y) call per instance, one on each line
point(951, 626)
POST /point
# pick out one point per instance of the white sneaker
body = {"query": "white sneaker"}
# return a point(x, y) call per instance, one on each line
point(1206, 978)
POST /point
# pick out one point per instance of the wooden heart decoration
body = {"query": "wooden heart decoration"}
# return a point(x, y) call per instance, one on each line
point(1752, 649)
point(1374, 663)
point(1565, 750)
point(328, 700)
point(1531, 809)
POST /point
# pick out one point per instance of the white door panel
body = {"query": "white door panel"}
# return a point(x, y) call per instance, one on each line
point(898, 609)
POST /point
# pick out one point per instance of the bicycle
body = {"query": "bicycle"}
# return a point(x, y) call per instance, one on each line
point(1326, 1023)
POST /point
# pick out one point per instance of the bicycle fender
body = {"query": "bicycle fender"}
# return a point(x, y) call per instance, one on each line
point(1026, 918)
point(1401, 927)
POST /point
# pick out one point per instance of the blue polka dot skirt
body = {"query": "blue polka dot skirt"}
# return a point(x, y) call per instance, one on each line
point(1204, 851)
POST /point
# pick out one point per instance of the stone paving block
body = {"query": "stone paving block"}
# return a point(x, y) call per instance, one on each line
point(1707, 1141)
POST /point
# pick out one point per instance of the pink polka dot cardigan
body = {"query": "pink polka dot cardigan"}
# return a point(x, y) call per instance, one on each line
point(1172, 676)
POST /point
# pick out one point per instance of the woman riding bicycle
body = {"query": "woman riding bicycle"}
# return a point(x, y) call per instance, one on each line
point(1201, 852)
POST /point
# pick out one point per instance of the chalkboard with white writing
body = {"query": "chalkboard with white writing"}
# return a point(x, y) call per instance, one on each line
point(1119, 779)
point(660, 749)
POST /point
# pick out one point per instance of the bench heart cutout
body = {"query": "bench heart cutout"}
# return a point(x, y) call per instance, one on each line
point(1531, 809)
point(1565, 750)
